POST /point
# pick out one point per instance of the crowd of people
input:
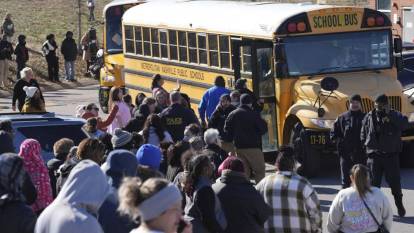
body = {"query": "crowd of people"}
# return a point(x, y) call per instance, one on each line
point(152, 166)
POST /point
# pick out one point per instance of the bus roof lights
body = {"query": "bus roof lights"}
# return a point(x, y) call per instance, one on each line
point(301, 26)
point(371, 21)
point(379, 21)
point(292, 27)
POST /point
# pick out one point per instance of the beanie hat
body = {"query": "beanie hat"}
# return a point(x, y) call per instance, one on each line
point(246, 99)
point(382, 99)
point(232, 163)
point(120, 138)
point(30, 91)
point(149, 155)
point(356, 98)
point(240, 83)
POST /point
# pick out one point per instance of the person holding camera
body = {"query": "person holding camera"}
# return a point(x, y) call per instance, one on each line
point(381, 135)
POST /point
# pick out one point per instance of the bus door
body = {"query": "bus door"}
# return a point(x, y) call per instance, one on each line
point(255, 60)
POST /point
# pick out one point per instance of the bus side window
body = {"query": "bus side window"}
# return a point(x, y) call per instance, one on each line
point(138, 40)
point(224, 52)
point(172, 39)
point(202, 48)
point(147, 42)
point(163, 43)
point(213, 50)
point(192, 47)
point(155, 43)
point(129, 39)
point(182, 43)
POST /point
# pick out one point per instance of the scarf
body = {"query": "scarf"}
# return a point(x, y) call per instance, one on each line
point(35, 167)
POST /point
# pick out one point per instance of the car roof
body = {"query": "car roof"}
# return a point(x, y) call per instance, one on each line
point(36, 117)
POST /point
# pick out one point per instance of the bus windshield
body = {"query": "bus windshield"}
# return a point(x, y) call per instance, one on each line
point(308, 55)
point(114, 29)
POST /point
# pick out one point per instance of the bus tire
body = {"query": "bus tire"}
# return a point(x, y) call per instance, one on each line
point(308, 157)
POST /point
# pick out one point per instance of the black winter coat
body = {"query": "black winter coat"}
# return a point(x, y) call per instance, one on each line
point(381, 133)
point(176, 118)
point(245, 127)
point(218, 119)
point(16, 217)
point(244, 207)
point(215, 153)
point(22, 53)
point(53, 167)
point(346, 132)
point(6, 50)
point(69, 49)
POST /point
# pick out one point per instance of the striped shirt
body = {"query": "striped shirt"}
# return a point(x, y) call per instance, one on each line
point(294, 202)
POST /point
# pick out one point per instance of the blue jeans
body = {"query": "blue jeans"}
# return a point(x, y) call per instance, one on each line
point(70, 70)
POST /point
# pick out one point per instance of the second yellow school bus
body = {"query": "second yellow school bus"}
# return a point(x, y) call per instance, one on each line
point(285, 51)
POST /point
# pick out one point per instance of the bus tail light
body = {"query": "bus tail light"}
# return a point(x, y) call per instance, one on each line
point(292, 27)
point(373, 18)
point(295, 24)
point(301, 26)
point(379, 20)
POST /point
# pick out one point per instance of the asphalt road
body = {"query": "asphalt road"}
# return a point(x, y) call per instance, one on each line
point(327, 185)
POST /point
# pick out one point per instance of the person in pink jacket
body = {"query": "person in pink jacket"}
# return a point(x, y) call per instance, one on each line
point(123, 115)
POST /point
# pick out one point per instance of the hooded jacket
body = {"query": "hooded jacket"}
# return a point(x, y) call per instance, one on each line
point(76, 206)
point(69, 49)
point(22, 53)
point(120, 164)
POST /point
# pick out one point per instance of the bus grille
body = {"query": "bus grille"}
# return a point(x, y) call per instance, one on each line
point(368, 104)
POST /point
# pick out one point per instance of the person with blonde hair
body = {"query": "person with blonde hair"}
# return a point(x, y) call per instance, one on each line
point(7, 28)
point(156, 202)
point(360, 208)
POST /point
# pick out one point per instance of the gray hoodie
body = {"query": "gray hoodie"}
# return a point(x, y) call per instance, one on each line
point(77, 204)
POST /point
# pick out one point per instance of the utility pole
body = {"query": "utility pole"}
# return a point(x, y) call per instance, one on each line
point(79, 26)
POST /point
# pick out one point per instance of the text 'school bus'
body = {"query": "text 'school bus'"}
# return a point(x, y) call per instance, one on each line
point(287, 52)
point(111, 74)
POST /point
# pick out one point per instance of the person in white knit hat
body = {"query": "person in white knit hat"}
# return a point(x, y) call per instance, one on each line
point(34, 102)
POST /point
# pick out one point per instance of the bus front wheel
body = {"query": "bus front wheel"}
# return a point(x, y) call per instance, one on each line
point(308, 157)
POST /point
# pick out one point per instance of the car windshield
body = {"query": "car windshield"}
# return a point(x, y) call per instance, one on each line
point(113, 29)
point(48, 135)
point(307, 55)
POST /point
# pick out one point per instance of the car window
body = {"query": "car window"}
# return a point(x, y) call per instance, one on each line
point(48, 135)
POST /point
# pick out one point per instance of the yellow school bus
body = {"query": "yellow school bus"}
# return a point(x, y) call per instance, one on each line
point(111, 72)
point(287, 52)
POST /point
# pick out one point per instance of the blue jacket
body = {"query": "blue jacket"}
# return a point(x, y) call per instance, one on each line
point(210, 101)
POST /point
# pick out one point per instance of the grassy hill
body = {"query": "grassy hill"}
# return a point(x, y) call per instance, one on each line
point(38, 18)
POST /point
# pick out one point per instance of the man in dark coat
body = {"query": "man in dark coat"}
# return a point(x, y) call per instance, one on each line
point(245, 127)
point(19, 95)
point(176, 117)
point(22, 54)
point(240, 200)
point(241, 86)
point(381, 135)
point(346, 132)
point(69, 50)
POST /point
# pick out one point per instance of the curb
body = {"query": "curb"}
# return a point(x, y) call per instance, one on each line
point(50, 86)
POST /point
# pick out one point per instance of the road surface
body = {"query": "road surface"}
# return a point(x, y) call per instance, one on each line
point(327, 185)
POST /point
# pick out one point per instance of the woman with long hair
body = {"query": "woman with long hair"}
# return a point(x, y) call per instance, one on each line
point(203, 208)
point(34, 102)
point(30, 151)
point(156, 202)
point(360, 208)
point(154, 131)
point(123, 115)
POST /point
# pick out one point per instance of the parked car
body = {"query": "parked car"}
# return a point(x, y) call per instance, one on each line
point(47, 128)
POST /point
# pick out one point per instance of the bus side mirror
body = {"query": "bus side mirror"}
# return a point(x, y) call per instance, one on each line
point(399, 63)
point(281, 70)
point(397, 45)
